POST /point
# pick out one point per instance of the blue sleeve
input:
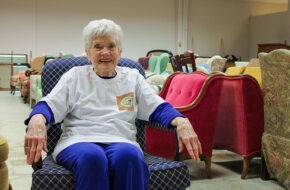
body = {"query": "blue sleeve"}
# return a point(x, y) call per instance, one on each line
point(41, 108)
point(164, 114)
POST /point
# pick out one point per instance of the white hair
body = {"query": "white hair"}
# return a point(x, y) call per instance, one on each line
point(102, 28)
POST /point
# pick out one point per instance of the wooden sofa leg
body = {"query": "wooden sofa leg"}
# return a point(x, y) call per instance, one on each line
point(207, 160)
point(246, 163)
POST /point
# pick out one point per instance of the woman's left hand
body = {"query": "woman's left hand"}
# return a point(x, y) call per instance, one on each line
point(187, 137)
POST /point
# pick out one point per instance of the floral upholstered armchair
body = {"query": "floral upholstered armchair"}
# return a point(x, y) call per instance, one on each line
point(275, 67)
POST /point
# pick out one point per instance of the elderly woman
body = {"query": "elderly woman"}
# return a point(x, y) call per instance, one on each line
point(98, 105)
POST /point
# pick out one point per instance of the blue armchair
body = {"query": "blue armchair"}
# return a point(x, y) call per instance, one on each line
point(47, 175)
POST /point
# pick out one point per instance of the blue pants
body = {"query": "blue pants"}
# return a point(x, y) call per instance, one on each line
point(115, 166)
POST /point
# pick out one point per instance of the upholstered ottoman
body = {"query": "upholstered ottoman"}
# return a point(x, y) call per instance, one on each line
point(4, 149)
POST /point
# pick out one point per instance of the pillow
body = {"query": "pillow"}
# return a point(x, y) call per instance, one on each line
point(156, 81)
point(217, 63)
point(201, 60)
point(203, 68)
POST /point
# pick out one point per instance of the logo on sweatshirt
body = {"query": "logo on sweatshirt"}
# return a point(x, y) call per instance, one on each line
point(126, 102)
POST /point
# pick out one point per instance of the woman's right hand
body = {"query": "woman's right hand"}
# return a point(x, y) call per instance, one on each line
point(35, 138)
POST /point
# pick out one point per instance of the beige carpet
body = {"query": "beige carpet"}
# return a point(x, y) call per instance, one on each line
point(226, 166)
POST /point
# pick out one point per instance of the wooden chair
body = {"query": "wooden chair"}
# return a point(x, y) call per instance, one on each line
point(183, 62)
point(157, 52)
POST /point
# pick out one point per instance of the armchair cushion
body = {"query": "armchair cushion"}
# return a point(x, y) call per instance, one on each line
point(235, 70)
point(254, 72)
point(55, 174)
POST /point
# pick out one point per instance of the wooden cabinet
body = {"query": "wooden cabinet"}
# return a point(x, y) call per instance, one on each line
point(271, 46)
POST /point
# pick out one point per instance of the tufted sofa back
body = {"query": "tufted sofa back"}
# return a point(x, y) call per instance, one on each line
point(179, 93)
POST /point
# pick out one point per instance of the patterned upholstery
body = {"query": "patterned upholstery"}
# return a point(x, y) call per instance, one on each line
point(164, 174)
point(275, 68)
point(218, 64)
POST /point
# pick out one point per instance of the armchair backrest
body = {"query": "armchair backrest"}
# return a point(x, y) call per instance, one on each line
point(275, 67)
point(158, 64)
point(182, 89)
point(51, 73)
point(183, 61)
point(144, 61)
point(240, 117)
point(36, 63)
point(152, 63)
point(161, 63)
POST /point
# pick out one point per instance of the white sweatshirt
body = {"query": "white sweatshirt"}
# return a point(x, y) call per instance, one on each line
point(94, 109)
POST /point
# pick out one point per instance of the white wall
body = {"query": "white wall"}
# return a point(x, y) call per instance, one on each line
point(212, 21)
point(56, 25)
point(272, 28)
point(48, 27)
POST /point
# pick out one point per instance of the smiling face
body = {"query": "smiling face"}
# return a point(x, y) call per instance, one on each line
point(104, 54)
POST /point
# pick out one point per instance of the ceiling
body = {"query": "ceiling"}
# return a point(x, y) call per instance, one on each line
point(268, 1)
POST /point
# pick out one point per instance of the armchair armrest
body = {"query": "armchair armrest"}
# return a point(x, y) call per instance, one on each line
point(37, 165)
point(142, 124)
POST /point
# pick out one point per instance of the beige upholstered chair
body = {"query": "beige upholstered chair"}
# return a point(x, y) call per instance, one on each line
point(217, 63)
point(4, 150)
point(254, 62)
point(36, 63)
point(275, 67)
